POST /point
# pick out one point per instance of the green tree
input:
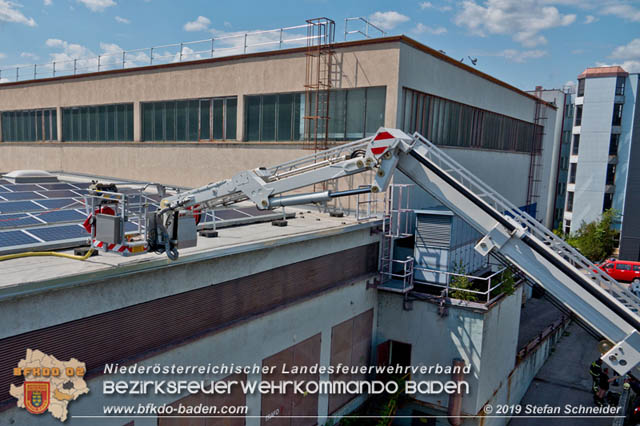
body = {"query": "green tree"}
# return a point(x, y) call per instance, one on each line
point(461, 282)
point(596, 240)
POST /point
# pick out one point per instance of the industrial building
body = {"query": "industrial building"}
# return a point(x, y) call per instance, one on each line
point(303, 294)
point(603, 149)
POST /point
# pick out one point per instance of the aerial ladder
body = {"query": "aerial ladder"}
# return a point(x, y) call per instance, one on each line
point(511, 234)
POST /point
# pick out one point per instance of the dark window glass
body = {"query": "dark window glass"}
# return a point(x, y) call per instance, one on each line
point(76, 130)
point(54, 125)
point(193, 120)
point(613, 144)
point(181, 120)
point(620, 81)
point(376, 97)
point(576, 145)
point(570, 201)
point(121, 122)
point(170, 121)
point(268, 118)
point(218, 119)
point(578, 115)
point(129, 121)
point(298, 122)
point(337, 114)
point(567, 226)
point(158, 122)
point(253, 118)
point(573, 168)
point(617, 115)
point(611, 174)
point(285, 117)
point(581, 87)
point(355, 113)
point(147, 122)
point(608, 202)
point(623, 267)
point(205, 122)
point(47, 125)
point(39, 124)
point(231, 118)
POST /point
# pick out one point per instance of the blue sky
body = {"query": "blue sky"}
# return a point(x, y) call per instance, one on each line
point(523, 42)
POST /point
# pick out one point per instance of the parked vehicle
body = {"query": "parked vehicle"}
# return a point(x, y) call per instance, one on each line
point(624, 271)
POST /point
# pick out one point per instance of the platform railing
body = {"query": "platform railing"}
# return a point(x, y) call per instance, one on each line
point(224, 45)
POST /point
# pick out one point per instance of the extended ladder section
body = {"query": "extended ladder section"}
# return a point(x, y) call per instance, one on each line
point(603, 303)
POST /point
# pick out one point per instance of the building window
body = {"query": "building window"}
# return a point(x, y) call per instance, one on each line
point(567, 227)
point(570, 201)
point(608, 201)
point(450, 123)
point(29, 126)
point(611, 174)
point(578, 115)
point(576, 145)
point(190, 120)
point(613, 144)
point(98, 123)
point(581, 87)
point(617, 115)
point(573, 168)
point(353, 114)
point(620, 80)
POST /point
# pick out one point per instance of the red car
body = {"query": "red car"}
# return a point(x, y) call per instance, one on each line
point(622, 270)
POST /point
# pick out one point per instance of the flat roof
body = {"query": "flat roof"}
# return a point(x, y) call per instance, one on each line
point(30, 275)
point(341, 45)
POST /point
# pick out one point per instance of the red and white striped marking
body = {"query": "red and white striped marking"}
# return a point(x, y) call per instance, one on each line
point(111, 247)
point(382, 136)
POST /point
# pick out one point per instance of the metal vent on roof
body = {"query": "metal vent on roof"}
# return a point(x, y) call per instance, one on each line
point(30, 176)
point(433, 231)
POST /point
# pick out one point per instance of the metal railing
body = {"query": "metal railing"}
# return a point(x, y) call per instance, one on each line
point(225, 45)
point(364, 27)
point(530, 224)
point(492, 282)
point(405, 276)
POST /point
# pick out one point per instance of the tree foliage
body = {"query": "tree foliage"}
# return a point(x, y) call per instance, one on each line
point(461, 282)
point(596, 240)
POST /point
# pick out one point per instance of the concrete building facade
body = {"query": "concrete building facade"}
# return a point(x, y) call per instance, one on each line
point(223, 115)
point(603, 143)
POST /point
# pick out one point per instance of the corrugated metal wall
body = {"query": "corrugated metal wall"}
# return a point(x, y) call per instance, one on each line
point(130, 333)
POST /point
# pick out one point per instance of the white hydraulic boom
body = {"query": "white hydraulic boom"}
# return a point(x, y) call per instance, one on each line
point(607, 306)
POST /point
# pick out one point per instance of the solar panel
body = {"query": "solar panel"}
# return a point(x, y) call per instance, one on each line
point(61, 203)
point(15, 238)
point(253, 211)
point(229, 214)
point(80, 184)
point(18, 206)
point(17, 220)
point(58, 216)
point(56, 186)
point(55, 233)
point(62, 193)
point(21, 187)
point(20, 195)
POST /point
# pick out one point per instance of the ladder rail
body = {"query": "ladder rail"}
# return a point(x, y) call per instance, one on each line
point(502, 205)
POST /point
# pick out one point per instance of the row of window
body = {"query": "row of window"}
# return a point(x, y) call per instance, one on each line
point(98, 123)
point(615, 121)
point(352, 114)
point(193, 120)
point(450, 123)
point(620, 84)
point(29, 126)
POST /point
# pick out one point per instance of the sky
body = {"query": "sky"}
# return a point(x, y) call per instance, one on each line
point(523, 42)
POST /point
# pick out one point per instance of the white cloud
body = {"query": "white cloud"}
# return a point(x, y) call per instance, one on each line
point(421, 28)
point(122, 20)
point(387, 20)
point(622, 10)
point(589, 19)
point(524, 20)
point(521, 55)
point(48, 2)
point(200, 24)
point(97, 5)
point(626, 56)
point(9, 13)
point(29, 56)
point(428, 5)
point(87, 60)
point(227, 24)
point(2, 55)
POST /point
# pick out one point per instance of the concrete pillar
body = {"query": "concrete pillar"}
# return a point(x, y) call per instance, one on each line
point(137, 121)
point(325, 359)
point(59, 123)
point(240, 118)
